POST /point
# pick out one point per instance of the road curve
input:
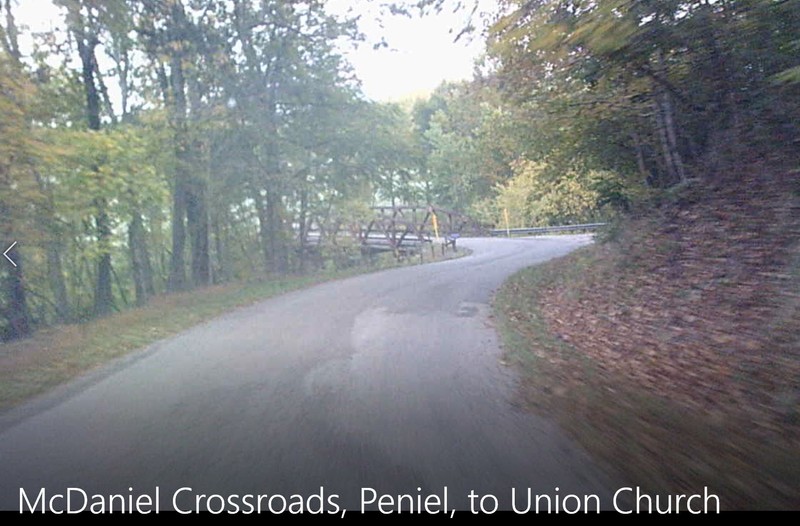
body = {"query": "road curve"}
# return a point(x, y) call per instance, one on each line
point(390, 380)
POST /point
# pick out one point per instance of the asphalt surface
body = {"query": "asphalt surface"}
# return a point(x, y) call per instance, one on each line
point(391, 381)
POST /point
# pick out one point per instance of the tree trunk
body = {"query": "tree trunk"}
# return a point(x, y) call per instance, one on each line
point(640, 163)
point(665, 124)
point(197, 203)
point(180, 195)
point(55, 276)
point(86, 50)
point(197, 221)
point(219, 273)
point(672, 136)
point(672, 174)
point(123, 73)
point(140, 260)
point(53, 250)
point(278, 250)
point(10, 42)
point(103, 295)
point(16, 311)
point(87, 42)
point(157, 249)
point(177, 263)
point(122, 294)
point(263, 229)
point(303, 227)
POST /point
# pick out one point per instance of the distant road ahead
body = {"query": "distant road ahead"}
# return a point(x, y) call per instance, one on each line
point(390, 380)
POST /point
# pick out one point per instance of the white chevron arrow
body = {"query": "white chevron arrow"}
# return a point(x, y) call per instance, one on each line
point(6, 253)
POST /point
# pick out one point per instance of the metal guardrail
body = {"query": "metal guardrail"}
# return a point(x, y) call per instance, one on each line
point(545, 229)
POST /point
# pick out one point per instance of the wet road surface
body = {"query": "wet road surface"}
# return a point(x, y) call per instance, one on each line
point(390, 381)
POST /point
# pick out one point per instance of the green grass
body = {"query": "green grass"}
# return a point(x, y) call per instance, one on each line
point(642, 439)
point(57, 354)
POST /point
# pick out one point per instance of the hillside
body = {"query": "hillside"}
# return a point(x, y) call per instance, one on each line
point(674, 345)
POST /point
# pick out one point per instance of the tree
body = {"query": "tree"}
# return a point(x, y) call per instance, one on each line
point(84, 19)
point(282, 71)
point(17, 149)
point(171, 39)
point(682, 81)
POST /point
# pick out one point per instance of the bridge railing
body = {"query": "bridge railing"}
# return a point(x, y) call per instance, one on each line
point(532, 231)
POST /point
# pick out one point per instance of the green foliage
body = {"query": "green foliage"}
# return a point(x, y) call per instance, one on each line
point(538, 195)
point(788, 76)
point(612, 192)
point(18, 151)
point(240, 121)
point(668, 89)
point(469, 138)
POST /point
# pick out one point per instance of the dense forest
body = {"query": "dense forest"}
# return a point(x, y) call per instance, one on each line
point(154, 146)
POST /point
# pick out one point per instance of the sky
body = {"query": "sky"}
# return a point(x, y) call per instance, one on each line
point(421, 51)
point(420, 55)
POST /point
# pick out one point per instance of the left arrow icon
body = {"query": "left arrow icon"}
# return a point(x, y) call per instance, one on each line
point(7, 251)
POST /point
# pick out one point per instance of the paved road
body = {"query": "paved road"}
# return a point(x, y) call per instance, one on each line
point(391, 380)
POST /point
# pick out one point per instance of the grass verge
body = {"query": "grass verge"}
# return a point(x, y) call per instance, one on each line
point(57, 354)
point(642, 438)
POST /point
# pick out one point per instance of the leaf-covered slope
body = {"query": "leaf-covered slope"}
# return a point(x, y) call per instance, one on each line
point(672, 350)
point(698, 304)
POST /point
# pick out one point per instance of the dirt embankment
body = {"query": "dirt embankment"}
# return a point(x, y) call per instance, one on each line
point(699, 303)
point(675, 344)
